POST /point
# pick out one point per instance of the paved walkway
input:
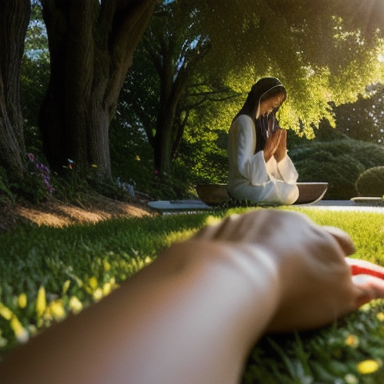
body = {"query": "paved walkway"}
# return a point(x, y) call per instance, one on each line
point(345, 205)
point(189, 206)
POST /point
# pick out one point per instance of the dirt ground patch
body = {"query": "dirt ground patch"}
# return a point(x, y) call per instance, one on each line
point(56, 213)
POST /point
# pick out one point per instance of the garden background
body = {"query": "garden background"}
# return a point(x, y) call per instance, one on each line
point(151, 107)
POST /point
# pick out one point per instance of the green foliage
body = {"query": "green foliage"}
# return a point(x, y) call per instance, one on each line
point(368, 247)
point(75, 264)
point(338, 162)
point(167, 84)
point(331, 355)
point(77, 187)
point(204, 148)
point(339, 172)
point(35, 185)
point(317, 51)
point(5, 189)
point(364, 119)
point(371, 182)
point(132, 162)
point(156, 89)
point(34, 76)
point(287, 38)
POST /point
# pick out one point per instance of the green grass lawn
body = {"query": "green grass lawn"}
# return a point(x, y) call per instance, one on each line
point(46, 273)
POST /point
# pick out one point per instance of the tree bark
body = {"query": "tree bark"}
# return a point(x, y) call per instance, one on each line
point(14, 18)
point(91, 45)
point(173, 84)
point(170, 92)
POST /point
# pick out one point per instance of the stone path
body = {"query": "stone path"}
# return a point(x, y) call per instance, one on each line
point(190, 206)
point(345, 205)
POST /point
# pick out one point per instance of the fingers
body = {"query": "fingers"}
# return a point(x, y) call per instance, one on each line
point(342, 238)
point(223, 230)
point(368, 278)
point(369, 288)
point(256, 226)
point(362, 267)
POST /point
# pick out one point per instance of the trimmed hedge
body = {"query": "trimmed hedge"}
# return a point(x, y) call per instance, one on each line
point(371, 182)
point(338, 162)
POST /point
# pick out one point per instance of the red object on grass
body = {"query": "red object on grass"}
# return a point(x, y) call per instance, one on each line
point(361, 267)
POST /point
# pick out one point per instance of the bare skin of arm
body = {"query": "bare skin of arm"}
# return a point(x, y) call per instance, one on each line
point(193, 315)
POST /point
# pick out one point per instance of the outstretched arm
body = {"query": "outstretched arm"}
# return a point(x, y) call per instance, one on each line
point(190, 317)
point(193, 314)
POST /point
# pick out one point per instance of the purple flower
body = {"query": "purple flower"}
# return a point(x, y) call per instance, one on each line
point(42, 171)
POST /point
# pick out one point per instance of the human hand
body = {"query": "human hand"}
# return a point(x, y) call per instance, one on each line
point(368, 276)
point(315, 283)
point(281, 150)
point(272, 144)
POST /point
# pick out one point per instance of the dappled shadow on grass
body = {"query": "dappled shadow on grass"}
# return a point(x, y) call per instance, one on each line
point(55, 213)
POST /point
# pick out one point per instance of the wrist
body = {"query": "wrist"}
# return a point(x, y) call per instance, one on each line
point(252, 272)
point(267, 155)
point(263, 269)
point(228, 295)
point(279, 156)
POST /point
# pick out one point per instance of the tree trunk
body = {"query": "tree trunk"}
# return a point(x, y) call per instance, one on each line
point(175, 59)
point(91, 45)
point(171, 90)
point(163, 140)
point(14, 18)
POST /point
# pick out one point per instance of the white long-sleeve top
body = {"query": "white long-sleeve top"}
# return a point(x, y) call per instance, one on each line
point(250, 177)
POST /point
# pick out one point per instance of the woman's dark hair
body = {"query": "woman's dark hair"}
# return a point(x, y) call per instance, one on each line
point(264, 89)
point(275, 91)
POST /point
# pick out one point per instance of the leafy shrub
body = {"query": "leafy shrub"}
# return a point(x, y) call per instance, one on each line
point(206, 161)
point(370, 155)
point(339, 147)
point(338, 162)
point(35, 185)
point(371, 182)
point(340, 172)
point(5, 190)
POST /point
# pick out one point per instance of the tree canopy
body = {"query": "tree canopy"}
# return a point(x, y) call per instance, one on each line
point(166, 81)
point(195, 52)
point(322, 51)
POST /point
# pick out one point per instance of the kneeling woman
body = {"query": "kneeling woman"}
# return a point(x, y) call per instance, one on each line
point(259, 167)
